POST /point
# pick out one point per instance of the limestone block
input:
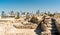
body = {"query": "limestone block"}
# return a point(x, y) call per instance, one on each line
point(46, 33)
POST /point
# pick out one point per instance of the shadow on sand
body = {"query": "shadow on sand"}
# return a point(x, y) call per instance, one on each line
point(38, 29)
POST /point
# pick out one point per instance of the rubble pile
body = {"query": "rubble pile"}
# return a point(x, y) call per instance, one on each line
point(26, 25)
point(36, 19)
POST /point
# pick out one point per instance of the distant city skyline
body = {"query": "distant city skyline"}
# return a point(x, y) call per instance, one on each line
point(30, 5)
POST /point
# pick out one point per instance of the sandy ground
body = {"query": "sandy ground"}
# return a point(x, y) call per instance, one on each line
point(8, 29)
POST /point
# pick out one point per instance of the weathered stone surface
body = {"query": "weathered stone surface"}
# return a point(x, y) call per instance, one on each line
point(24, 27)
point(58, 24)
point(36, 19)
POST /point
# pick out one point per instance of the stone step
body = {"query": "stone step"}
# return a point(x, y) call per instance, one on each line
point(53, 24)
point(53, 32)
point(51, 28)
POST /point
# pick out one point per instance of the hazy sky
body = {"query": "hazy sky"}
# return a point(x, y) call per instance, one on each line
point(30, 5)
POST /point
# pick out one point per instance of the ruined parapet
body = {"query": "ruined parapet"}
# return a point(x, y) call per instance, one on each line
point(44, 28)
point(58, 24)
point(48, 27)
